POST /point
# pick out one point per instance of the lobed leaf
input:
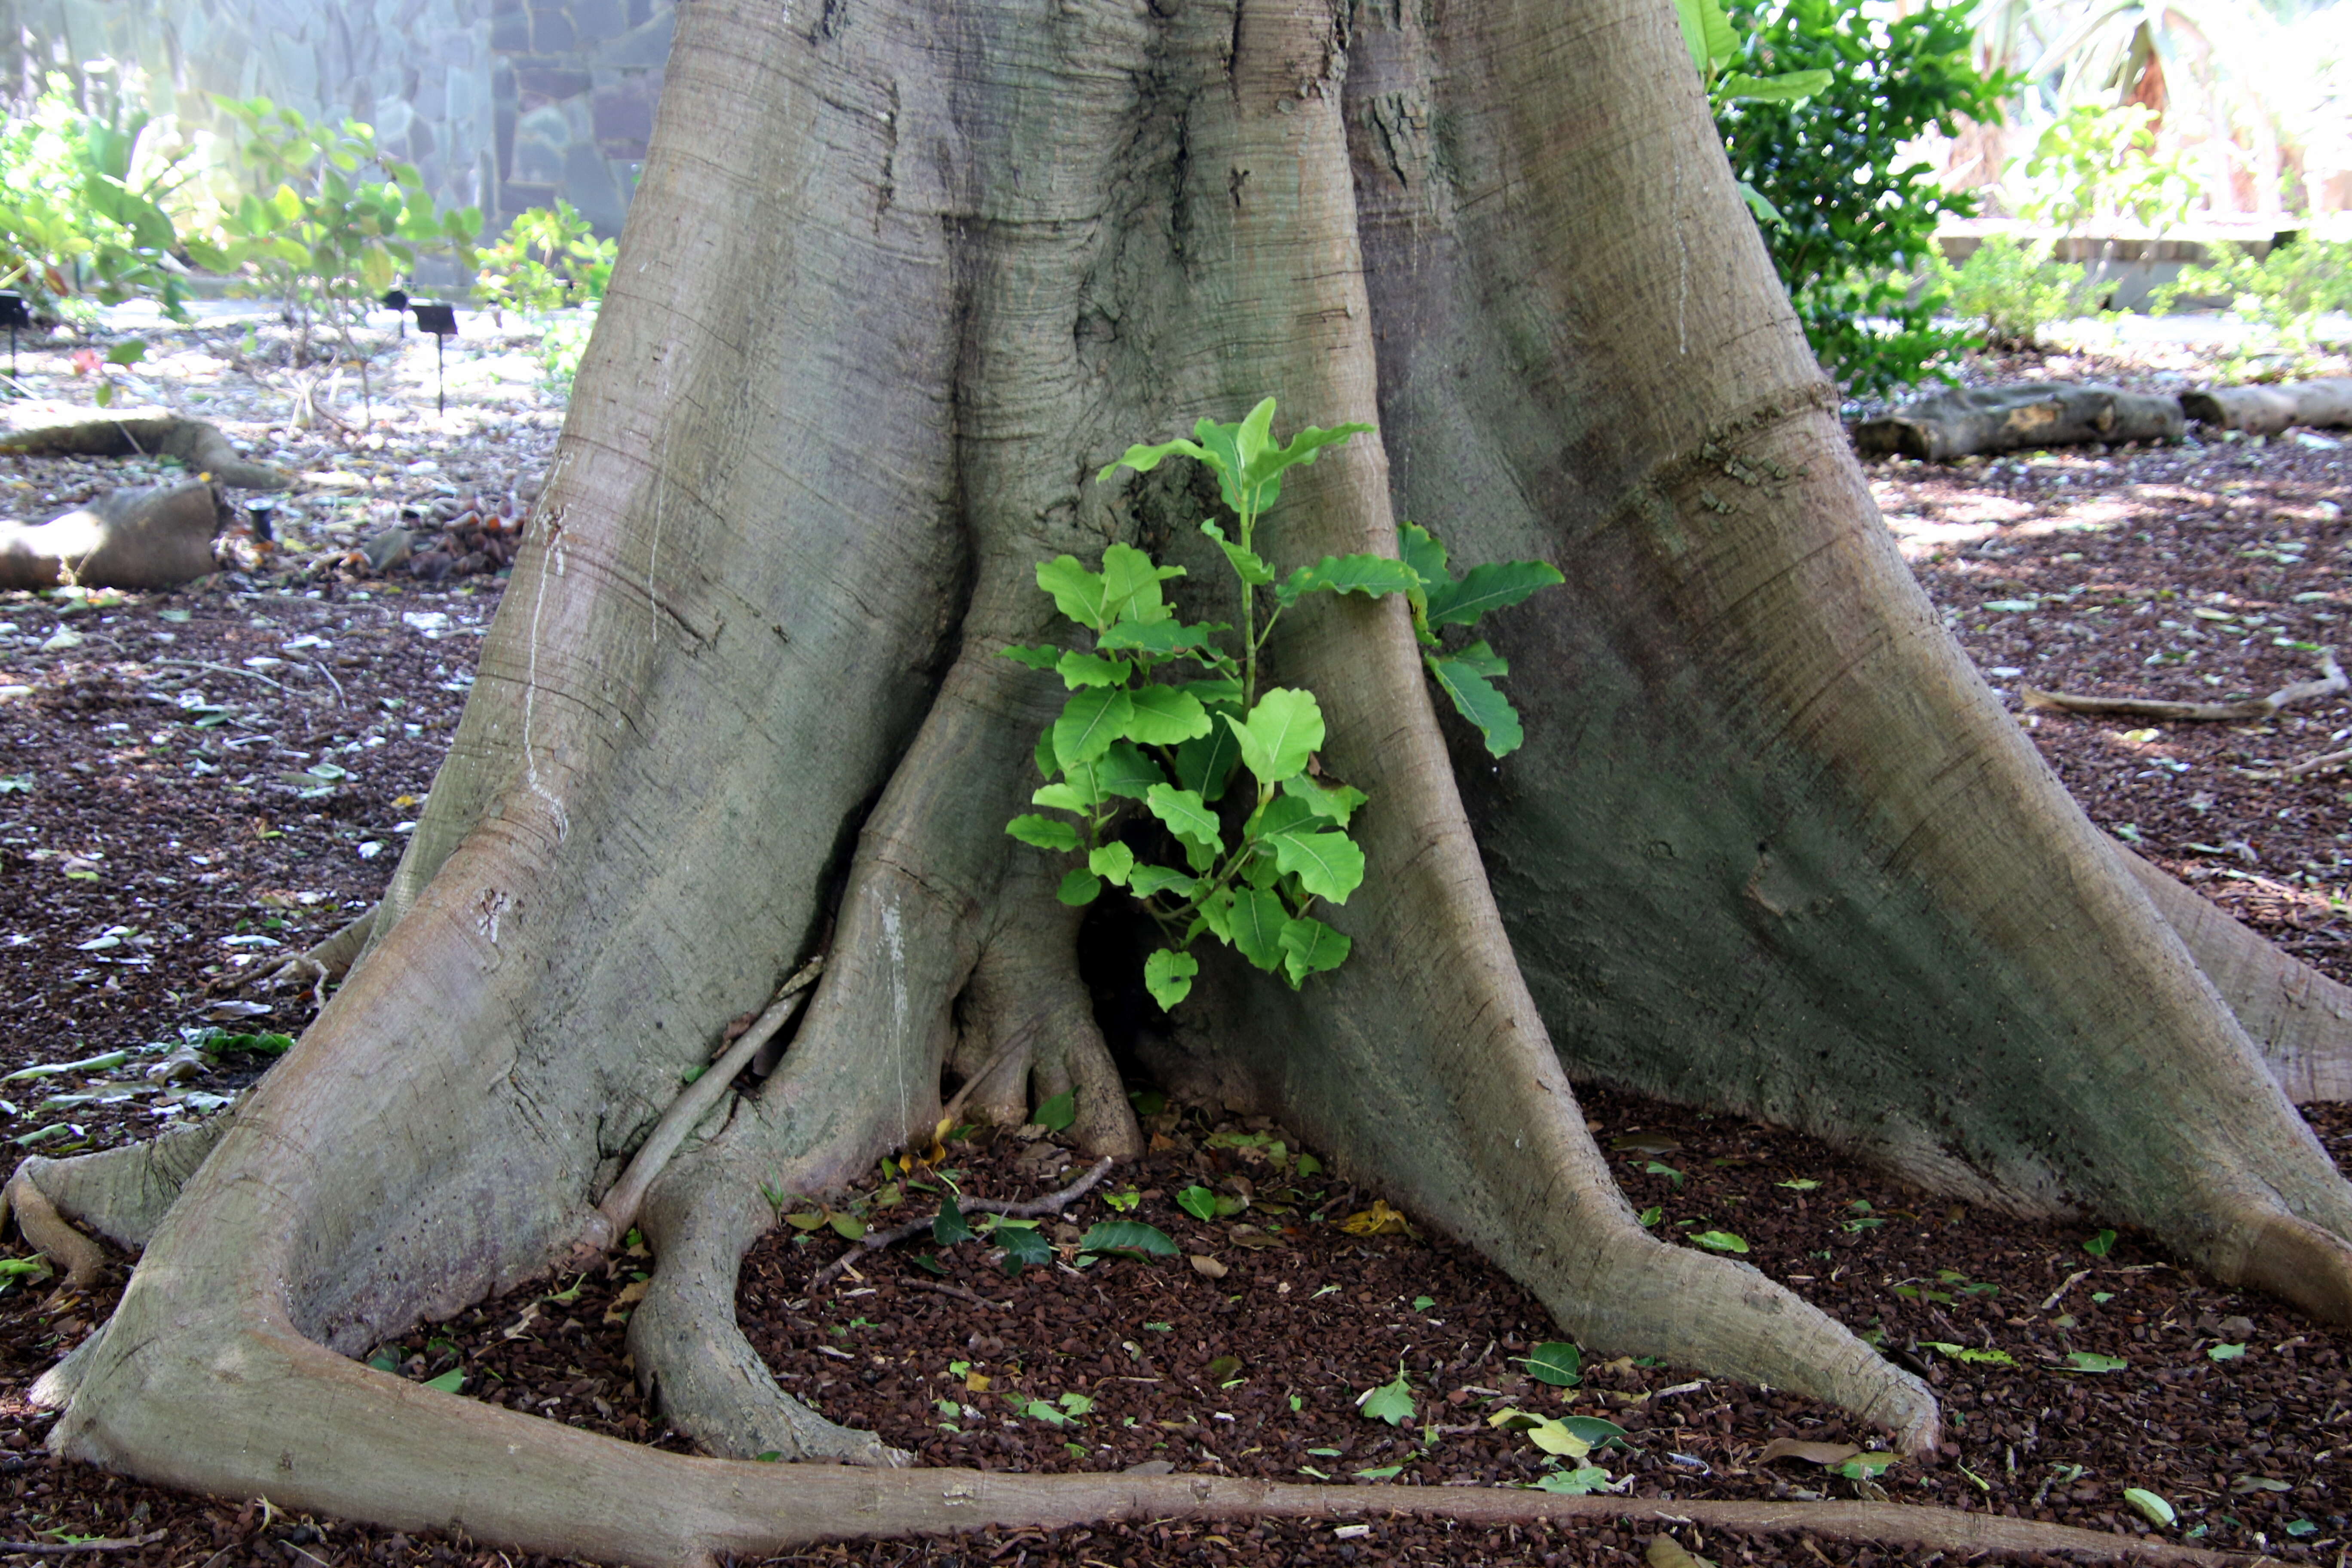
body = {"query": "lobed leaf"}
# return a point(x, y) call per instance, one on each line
point(948, 1227)
point(1162, 636)
point(1143, 459)
point(1336, 803)
point(1247, 564)
point(1420, 550)
point(1122, 770)
point(1035, 658)
point(1477, 701)
point(1112, 862)
point(1371, 575)
point(1282, 731)
point(1090, 722)
point(1084, 669)
point(1044, 832)
point(1205, 765)
point(1022, 1245)
point(1496, 586)
point(1150, 881)
point(1182, 811)
point(1080, 594)
point(1168, 976)
point(1131, 582)
point(1310, 947)
point(1079, 887)
point(1164, 716)
point(1328, 864)
point(1255, 925)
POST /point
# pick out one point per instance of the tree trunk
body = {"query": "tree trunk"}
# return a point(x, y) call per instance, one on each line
point(899, 280)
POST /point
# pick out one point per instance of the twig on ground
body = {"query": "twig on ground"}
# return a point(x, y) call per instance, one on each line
point(2312, 764)
point(228, 670)
point(876, 1240)
point(958, 1291)
point(2331, 682)
point(2072, 1279)
point(103, 1544)
point(619, 1210)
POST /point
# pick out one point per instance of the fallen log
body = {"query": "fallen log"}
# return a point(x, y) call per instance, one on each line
point(156, 536)
point(2010, 418)
point(2267, 410)
point(55, 430)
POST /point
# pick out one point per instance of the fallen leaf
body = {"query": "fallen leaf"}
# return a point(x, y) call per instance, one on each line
point(1811, 1453)
point(2152, 1507)
point(1665, 1551)
point(1203, 1264)
point(629, 1296)
point(1378, 1220)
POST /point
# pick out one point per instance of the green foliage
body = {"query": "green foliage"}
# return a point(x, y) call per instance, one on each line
point(2282, 295)
point(1161, 717)
point(548, 258)
point(325, 222)
point(2010, 291)
point(85, 200)
point(1855, 217)
point(2099, 161)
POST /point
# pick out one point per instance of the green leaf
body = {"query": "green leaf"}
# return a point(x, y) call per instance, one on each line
point(1496, 586)
point(130, 351)
point(1481, 660)
point(1719, 1241)
point(1090, 722)
point(1079, 887)
point(1127, 1235)
point(1310, 947)
point(1082, 669)
point(1969, 1354)
point(1863, 1467)
point(1280, 815)
point(1707, 32)
point(1737, 87)
point(1076, 795)
point(449, 1382)
point(1371, 575)
point(1150, 881)
point(2101, 1245)
point(1596, 1432)
point(1335, 804)
point(1420, 550)
point(1143, 459)
point(1058, 1112)
point(1123, 771)
point(1080, 594)
point(1132, 585)
point(1038, 1410)
point(1255, 923)
point(1555, 1361)
point(1282, 731)
point(847, 1226)
point(1582, 1481)
point(1247, 564)
point(1391, 1402)
point(2092, 1360)
point(1206, 765)
point(1044, 832)
point(1111, 862)
point(1199, 1202)
point(2224, 1352)
point(1761, 205)
point(1328, 864)
point(948, 1227)
point(2152, 1508)
point(1165, 637)
point(1022, 1245)
point(1168, 976)
point(1475, 698)
point(1047, 766)
point(1185, 814)
point(1164, 716)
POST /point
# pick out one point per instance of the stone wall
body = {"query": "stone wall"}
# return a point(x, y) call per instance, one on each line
point(505, 104)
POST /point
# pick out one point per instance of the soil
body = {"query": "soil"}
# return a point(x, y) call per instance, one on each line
point(209, 778)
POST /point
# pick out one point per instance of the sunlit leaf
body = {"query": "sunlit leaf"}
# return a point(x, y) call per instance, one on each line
point(1168, 976)
point(1282, 731)
point(1391, 1402)
point(1044, 832)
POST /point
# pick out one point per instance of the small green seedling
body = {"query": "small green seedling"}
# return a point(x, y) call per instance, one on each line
point(1161, 718)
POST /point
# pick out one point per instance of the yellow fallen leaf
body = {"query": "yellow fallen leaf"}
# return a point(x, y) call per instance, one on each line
point(975, 1382)
point(629, 1296)
point(1378, 1220)
point(1554, 1437)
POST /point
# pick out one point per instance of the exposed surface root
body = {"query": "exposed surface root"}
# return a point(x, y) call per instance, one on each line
point(322, 963)
point(58, 430)
point(1026, 1025)
point(154, 536)
point(121, 1193)
point(2298, 1018)
point(83, 1260)
point(874, 1241)
point(619, 1211)
point(2331, 682)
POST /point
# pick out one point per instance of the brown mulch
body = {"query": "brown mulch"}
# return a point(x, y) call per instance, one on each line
point(173, 807)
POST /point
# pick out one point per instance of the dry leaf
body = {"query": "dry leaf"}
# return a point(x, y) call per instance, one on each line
point(975, 1382)
point(1378, 1220)
point(632, 1294)
point(1811, 1453)
point(1202, 1264)
point(1665, 1551)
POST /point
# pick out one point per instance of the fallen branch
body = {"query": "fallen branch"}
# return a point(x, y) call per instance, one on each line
point(2331, 683)
point(958, 1291)
point(2312, 764)
point(156, 536)
point(102, 1544)
point(876, 1240)
point(2008, 418)
point(58, 430)
point(2267, 410)
point(618, 1211)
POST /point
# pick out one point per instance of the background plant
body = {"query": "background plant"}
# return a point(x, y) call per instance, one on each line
point(1857, 218)
point(2100, 161)
point(549, 257)
point(1255, 867)
point(87, 184)
point(2011, 291)
point(2283, 294)
point(325, 222)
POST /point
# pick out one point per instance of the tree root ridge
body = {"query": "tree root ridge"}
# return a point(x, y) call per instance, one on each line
point(874, 1241)
point(2331, 682)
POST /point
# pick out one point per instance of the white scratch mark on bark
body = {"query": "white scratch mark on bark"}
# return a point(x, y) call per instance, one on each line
point(1682, 241)
point(530, 678)
point(896, 940)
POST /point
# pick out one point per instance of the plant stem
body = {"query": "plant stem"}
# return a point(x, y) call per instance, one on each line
point(1249, 616)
